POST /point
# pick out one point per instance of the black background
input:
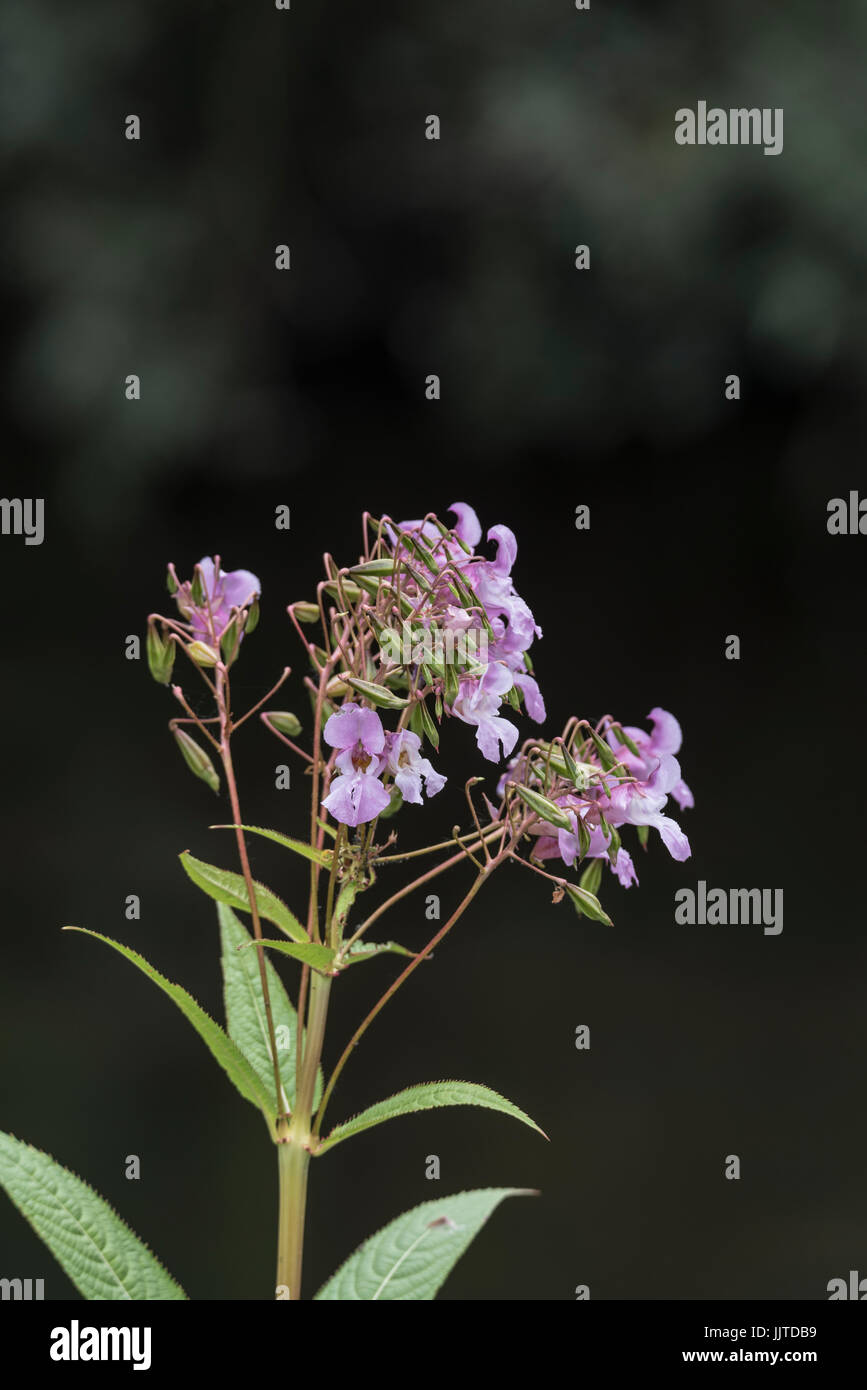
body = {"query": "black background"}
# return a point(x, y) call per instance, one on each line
point(306, 388)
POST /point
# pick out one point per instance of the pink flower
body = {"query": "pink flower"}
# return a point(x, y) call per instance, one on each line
point(404, 760)
point(223, 591)
point(356, 795)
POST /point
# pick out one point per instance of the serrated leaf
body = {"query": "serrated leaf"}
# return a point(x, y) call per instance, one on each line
point(411, 1258)
point(430, 1095)
point(365, 950)
point(226, 887)
point(310, 953)
point(104, 1258)
point(318, 856)
point(245, 1010)
point(223, 1048)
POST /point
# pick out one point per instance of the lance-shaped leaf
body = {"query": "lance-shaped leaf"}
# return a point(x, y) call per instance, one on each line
point(365, 950)
point(310, 953)
point(225, 1051)
point(246, 1022)
point(226, 887)
point(318, 856)
point(104, 1259)
point(411, 1258)
point(430, 1095)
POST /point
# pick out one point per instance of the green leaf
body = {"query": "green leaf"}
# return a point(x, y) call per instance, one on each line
point(229, 888)
point(104, 1259)
point(364, 950)
point(431, 1095)
point(588, 905)
point(245, 1011)
point(225, 1051)
point(411, 1258)
point(345, 898)
point(318, 856)
point(318, 957)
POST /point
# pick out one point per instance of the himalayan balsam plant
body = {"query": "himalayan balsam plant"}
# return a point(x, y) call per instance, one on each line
point(424, 629)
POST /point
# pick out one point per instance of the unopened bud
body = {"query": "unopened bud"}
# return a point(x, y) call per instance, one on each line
point(202, 654)
point(306, 612)
point(229, 642)
point(197, 588)
point(337, 687)
point(161, 655)
point(197, 759)
point(252, 617)
point(172, 580)
point(377, 694)
point(284, 722)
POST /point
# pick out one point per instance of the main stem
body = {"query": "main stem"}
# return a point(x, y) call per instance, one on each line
point(293, 1151)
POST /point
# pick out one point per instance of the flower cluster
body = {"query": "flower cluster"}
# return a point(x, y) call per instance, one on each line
point(624, 780)
point(490, 603)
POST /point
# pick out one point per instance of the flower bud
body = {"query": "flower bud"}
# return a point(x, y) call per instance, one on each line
point(172, 580)
point(377, 694)
point(548, 810)
point(284, 722)
point(197, 759)
point(306, 612)
point(252, 618)
point(161, 655)
point(229, 642)
point(198, 593)
point(202, 654)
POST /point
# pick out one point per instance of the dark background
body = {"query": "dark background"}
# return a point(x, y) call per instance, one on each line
point(306, 388)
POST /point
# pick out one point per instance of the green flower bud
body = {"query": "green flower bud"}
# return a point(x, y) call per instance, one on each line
point(284, 722)
point(592, 877)
point(161, 655)
point(202, 654)
point(229, 642)
point(306, 612)
point(377, 694)
point(197, 759)
point(252, 617)
point(588, 905)
point(548, 810)
point(198, 593)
